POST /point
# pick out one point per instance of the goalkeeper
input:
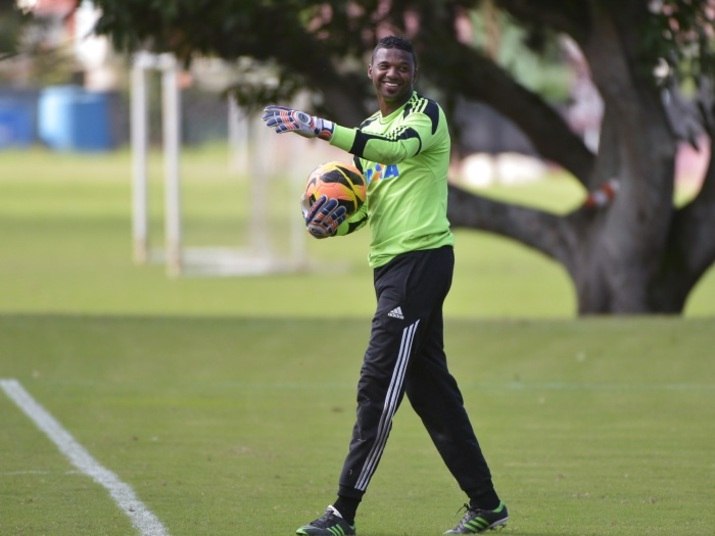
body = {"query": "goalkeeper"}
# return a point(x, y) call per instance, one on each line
point(403, 152)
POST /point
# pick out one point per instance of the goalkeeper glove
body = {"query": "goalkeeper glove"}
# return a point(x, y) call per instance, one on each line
point(283, 119)
point(324, 217)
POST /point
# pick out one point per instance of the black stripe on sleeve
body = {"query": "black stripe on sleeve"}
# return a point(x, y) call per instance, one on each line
point(361, 139)
point(353, 225)
point(359, 143)
point(432, 111)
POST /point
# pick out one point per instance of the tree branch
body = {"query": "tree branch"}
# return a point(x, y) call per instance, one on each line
point(568, 17)
point(474, 76)
point(551, 235)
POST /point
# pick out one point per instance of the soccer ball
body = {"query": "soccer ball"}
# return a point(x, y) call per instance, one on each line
point(335, 180)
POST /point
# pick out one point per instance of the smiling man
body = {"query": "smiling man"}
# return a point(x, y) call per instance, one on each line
point(403, 152)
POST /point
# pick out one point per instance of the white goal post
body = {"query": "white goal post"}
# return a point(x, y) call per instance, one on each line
point(258, 258)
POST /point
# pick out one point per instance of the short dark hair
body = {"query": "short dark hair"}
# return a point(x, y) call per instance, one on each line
point(401, 43)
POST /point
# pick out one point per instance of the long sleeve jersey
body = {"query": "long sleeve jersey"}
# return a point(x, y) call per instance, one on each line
point(404, 158)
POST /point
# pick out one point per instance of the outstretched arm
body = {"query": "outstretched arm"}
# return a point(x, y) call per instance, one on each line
point(412, 137)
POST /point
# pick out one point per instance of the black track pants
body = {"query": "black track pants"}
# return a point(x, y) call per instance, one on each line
point(406, 355)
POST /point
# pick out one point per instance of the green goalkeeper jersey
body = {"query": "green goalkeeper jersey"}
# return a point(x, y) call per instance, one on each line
point(404, 158)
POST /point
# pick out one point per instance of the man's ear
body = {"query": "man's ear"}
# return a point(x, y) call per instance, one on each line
point(369, 70)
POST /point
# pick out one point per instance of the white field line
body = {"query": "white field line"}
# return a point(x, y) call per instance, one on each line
point(141, 517)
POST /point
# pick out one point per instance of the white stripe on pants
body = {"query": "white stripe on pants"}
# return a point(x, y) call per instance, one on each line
point(392, 398)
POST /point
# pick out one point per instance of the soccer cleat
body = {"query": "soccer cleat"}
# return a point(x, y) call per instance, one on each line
point(330, 523)
point(476, 520)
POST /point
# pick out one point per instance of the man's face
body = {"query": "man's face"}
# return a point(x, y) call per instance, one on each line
point(392, 72)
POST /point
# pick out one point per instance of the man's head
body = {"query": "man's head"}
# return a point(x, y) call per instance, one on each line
point(400, 43)
point(393, 70)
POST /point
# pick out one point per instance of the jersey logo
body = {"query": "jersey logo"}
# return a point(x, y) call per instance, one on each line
point(379, 172)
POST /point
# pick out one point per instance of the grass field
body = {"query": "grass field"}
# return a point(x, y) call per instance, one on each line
point(226, 403)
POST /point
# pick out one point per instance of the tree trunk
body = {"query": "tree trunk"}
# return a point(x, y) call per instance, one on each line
point(625, 244)
point(636, 254)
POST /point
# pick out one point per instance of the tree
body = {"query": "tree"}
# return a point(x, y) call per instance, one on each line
point(639, 253)
point(12, 19)
point(636, 253)
point(30, 51)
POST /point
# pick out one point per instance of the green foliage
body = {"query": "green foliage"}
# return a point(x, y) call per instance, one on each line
point(257, 83)
point(225, 28)
point(531, 55)
point(681, 35)
point(283, 41)
point(298, 39)
point(12, 20)
point(23, 36)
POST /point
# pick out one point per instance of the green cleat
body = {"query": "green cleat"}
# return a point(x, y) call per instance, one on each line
point(330, 523)
point(476, 520)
